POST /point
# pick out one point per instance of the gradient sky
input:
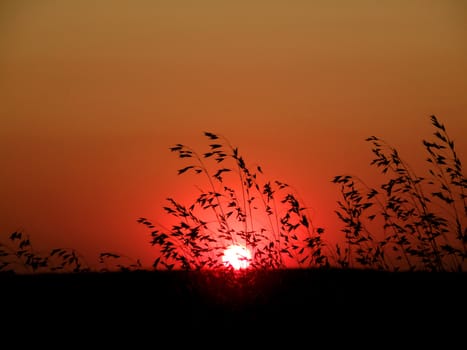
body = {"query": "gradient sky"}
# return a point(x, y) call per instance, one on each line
point(93, 94)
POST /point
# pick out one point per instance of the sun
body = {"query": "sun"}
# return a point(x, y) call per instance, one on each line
point(236, 256)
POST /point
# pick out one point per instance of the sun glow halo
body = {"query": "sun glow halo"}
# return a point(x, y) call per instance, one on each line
point(236, 256)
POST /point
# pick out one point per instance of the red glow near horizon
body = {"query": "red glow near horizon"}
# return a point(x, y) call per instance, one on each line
point(236, 256)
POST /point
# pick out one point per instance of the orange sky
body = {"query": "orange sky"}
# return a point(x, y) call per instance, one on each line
point(93, 93)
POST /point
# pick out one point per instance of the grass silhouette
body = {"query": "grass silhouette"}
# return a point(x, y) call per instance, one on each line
point(420, 221)
point(402, 256)
point(409, 222)
point(238, 207)
point(19, 256)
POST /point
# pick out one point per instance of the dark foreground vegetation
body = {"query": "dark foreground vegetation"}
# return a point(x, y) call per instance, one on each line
point(399, 267)
point(235, 299)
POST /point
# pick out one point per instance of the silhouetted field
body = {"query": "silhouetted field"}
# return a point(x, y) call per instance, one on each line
point(208, 299)
point(400, 269)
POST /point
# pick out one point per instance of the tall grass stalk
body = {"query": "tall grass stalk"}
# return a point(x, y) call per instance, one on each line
point(420, 221)
point(236, 207)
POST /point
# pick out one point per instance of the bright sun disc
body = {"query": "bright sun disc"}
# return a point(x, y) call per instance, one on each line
point(236, 256)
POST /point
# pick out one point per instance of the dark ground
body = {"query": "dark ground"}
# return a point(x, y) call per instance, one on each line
point(274, 300)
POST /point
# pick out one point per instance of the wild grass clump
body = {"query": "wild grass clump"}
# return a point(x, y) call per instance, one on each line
point(20, 256)
point(235, 207)
point(409, 222)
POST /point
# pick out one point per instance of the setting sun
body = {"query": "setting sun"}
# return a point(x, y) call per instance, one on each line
point(236, 256)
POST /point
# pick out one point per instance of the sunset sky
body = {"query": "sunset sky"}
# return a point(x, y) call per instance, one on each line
point(93, 94)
